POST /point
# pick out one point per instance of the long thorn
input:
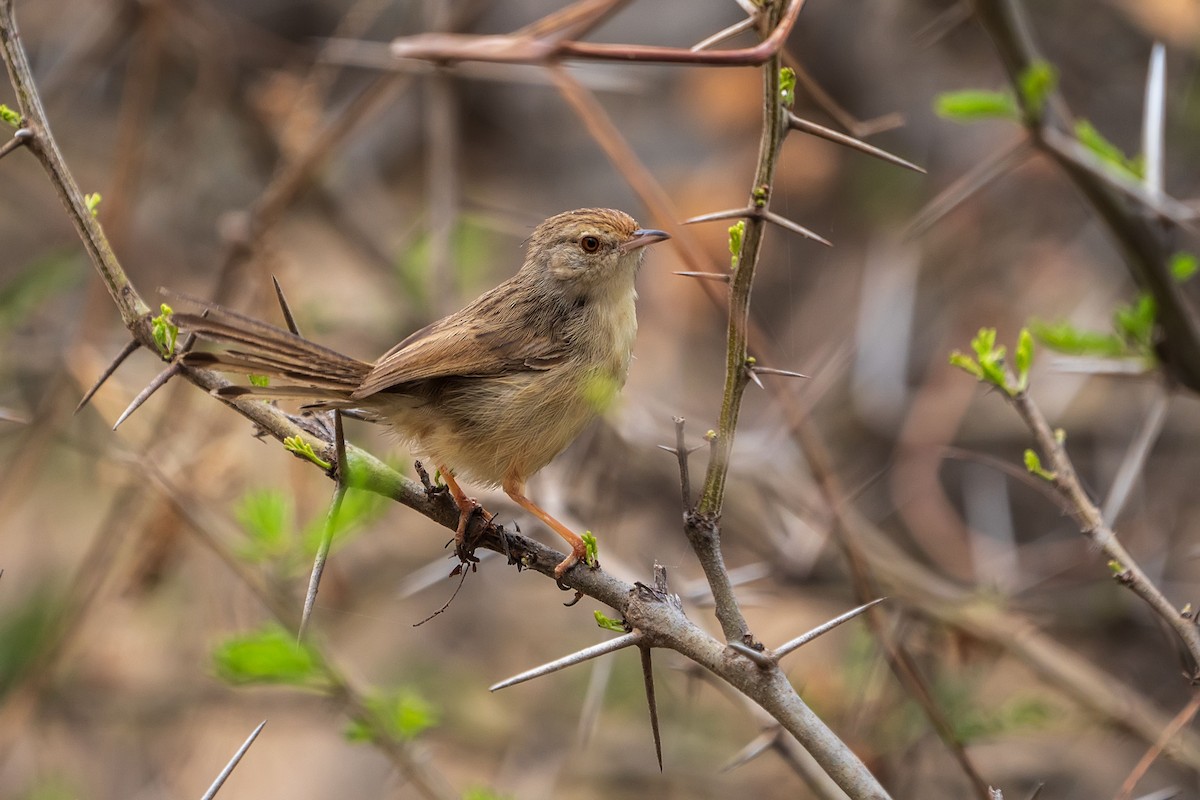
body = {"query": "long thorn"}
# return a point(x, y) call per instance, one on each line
point(787, 373)
point(588, 653)
point(761, 659)
point(787, 224)
point(335, 507)
point(962, 189)
point(113, 366)
point(648, 678)
point(720, 277)
point(730, 213)
point(798, 124)
point(800, 641)
point(160, 380)
point(1152, 120)
point(723, 34)
point(1164, 205)
point(753, 749)
point(1134, 462)
point(233, 762)
point(942, 25)
point(284, 307)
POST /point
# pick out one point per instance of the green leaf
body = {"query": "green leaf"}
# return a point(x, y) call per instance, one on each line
point(259, 380)
point(609, 624)
point(53, 787)
point(966, 363)
point(472, 245)
point(1037, 82)
point(1108, 152)
point(399, 716)
point(165, 331)
point(36, 282)
point(991, 359)
point(27, 628)
point(9, 116)
point(736, 232)
point(483, 793)
point(270, 656)
point(268, 518)
point(787, 87)
point(305, 450)
point(1135, 322)
point(969, 105)
point(92, 201)
point(1183, 266)
point(1023, 358)
point(1063, 337)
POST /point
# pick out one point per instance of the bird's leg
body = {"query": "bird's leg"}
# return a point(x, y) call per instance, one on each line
point(466, 507)
point(515, 489)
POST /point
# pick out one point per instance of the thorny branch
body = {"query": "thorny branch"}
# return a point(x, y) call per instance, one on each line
point(1137, 228)
point(662, 622)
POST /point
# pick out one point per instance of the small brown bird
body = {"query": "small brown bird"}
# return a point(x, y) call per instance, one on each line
point(490, 393)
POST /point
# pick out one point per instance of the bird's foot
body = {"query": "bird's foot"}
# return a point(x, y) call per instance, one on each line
point(580, 551)
point(464, 548)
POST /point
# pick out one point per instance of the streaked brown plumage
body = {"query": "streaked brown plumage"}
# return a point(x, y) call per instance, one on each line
point(490, 393)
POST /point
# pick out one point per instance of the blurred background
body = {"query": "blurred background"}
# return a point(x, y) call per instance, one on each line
point(124, 554)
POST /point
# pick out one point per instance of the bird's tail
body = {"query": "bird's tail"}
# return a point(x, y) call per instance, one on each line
point(314, 372)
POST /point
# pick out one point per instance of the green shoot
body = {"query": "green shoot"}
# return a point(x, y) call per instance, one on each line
point(787, 87)
point(1034, 464)
point(736, 232)
point(593, 549)
point(609, 624)
point(270, 656)
point(164, 331)
point(970, 105)
point(305, 450)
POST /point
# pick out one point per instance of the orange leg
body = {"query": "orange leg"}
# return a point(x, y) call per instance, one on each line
point(466, 507)
point(515, 489)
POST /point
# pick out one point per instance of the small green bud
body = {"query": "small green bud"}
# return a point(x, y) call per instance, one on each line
point(305, 450)
point(615, 625)
point(593, 549)
point(164, 331)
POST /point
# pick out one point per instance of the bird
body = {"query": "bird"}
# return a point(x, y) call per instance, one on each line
point(491, 393)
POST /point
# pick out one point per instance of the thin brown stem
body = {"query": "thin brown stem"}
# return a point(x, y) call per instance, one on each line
point(1092, 525)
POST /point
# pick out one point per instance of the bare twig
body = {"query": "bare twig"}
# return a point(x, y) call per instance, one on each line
point(1129, 210)
point(1092, 525)
point(543, 42)
point(20, 138)
point(1183, 718)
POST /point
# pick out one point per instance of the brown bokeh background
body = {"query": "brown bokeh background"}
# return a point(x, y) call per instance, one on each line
point(179, 114)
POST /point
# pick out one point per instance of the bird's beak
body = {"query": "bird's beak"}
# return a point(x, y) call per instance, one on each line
point(642, 237)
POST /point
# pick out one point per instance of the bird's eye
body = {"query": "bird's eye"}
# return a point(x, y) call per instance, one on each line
point(590, 244)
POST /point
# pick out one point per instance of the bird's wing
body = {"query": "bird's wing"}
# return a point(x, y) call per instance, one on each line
point(459, 346)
